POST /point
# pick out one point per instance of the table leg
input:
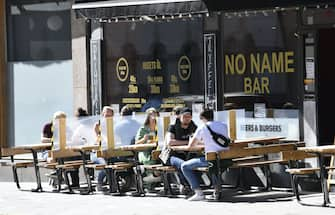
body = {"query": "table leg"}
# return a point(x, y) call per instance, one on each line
point(138, 176)
point(37, 172)
point(218, 186)
point(323, 173)
point(16, 178)
point(88, 180)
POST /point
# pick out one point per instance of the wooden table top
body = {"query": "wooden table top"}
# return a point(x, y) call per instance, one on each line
point(84, 148)
point(328, 149)
point(138, 147)
point(237, 152)
point(39, 146)
point(262, 140)
point(198, 148)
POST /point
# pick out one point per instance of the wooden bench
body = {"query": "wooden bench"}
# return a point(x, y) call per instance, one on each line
point(296, 172)
point(16, 163)
point(251, 157)
point(57, 161)
point(165, 170)
point(308, 170)
point(111, 173)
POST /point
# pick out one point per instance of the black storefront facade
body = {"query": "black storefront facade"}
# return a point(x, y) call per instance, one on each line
point(222, 54)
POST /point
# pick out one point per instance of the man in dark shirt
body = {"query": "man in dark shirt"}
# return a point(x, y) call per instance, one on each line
point(179, 134)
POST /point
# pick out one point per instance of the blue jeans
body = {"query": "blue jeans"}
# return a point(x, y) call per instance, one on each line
point(187, 169)
point(177, 162)
point(101, 173)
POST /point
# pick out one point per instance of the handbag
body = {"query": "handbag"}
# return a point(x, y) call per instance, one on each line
point(165, 154)
point(219, 138)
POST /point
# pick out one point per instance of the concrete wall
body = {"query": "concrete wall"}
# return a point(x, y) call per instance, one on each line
point(80, 63)
point(3, 77)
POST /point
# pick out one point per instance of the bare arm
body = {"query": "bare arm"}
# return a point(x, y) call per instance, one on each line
point(194, 141)
point(142, 140)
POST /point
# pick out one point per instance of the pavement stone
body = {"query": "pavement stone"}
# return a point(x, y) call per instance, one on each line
point(18, 202)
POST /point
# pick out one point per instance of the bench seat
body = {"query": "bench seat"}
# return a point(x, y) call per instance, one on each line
point(22, 164)
point(96, 166)
point(166, 168)
point(201, 169)
point(258, 163)
point(47, 165)
point(119, 166)
point(152, 167)
point(308, 170)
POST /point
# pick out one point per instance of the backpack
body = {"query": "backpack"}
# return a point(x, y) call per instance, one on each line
point(219, 138)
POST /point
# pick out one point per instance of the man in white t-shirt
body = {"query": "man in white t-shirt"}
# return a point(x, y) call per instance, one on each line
point(203, 136)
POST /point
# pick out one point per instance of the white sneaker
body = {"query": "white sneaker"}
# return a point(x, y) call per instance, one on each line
point(197, 197)
point(151, 178)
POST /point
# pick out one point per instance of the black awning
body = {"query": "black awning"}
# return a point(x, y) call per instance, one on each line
point(137, 8)
point(235, 5)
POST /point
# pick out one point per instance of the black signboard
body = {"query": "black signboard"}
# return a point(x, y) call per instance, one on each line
point(96, 76)
point(217, 5)
point(260, 57)
point(210, 71)
point(153, 64)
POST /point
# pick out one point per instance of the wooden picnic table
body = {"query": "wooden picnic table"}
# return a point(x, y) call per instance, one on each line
point(83, 149)
point(321, 152)
point(244, 150)
point(34, 148)
point(135, 149)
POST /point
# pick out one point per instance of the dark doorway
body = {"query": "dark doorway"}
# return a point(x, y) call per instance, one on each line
point(326, 86)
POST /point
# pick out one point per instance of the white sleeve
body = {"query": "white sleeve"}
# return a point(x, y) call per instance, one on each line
point(198, 133)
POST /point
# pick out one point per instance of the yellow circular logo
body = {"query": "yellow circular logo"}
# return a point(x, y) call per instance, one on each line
point(184, 68)
point(122, 69)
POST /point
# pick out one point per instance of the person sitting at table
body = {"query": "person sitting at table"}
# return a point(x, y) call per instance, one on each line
point(148, 134)
point(203, 136)
point(47, 134)
point(178, 134)
point(107, 111)
point(80, 135)
point(127, 127)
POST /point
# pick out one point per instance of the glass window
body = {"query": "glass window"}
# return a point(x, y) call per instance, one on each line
point(155, 64)
point(39, 31)
point(260, 58)
point(40, 66)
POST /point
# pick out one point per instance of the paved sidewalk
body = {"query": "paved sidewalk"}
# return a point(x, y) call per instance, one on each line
point(16, 202)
